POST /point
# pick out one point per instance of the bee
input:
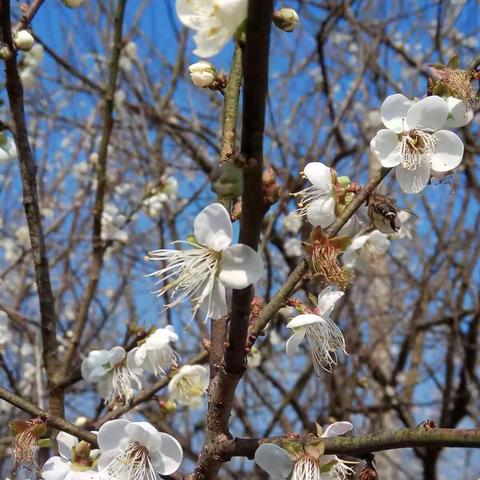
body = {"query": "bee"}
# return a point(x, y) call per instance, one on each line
point(384, 213)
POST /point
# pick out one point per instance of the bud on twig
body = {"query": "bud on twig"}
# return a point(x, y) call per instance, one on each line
point(23, 40)
point(285, 19)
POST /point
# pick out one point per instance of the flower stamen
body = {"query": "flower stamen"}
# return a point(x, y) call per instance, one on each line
point(413, 145)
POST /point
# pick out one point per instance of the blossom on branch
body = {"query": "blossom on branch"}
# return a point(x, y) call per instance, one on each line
point(364, 249)
point(189, 385)
point(115, 373)
point(136, 451)
point(75, 462)
point(155, 355)
point(324, 337)
point(212, 264)
point(413, 141)
point(296, 461)
point(215, 22)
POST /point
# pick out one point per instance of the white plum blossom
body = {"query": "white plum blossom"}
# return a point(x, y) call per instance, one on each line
point(115, 373)
point(189, 385)
point(413, 141)
point(307, 463)
point(204, 271)
point(323, 335)
point(165, 193)
point(203, 74)
point(155, 355)
point(5, 333)
point(285, 19)
point(112, 223)
point(136, 451)
point(215, 22)
point(317, 202)
point(360, 252)
point(460, 113)
point(75, 462)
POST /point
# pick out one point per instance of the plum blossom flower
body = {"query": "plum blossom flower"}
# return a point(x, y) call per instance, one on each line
point(413, 141)
point(324, 337)
point(136, 451)
point(305, 462)
point(215, 22)
point(292, 222)
point(318, 201)
point(212, 264)
point(75, 462)
point(188, 385)
point(155, 355)
point(365, 247)
point(115, 373)
point(8, 149)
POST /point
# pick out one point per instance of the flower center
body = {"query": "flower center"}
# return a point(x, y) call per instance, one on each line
point(413, 145)
point(194, 269)
point(123, 379)
point(325, 262)
point(132, 464)
point(306, 469)
point(189, 388)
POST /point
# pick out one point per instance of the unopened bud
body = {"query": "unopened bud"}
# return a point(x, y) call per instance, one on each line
point(168, 406)
point(5, 52)
point(344, 181)
point(269, 176)
point(73, 3)
point(203, 74)
point(285, 19)
point(24, 40)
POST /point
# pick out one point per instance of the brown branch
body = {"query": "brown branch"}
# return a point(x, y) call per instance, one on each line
point(28, 171)
point(52, 420)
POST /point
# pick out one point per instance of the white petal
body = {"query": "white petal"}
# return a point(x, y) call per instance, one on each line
point(4, 156)
point(93, 367)
point(106, 458)
point(209, 44)
point(460, 113)
point(322, 211)
point(319, 175)
point(379, 242)
point(88, 475)
point(116, 355)
point(111, 433)
point(429, 113)
point(394, 110)
point(168, 457)
point(240, 266)
point(105, 385)
point(274, 460)
point(350, 228)
point(65, 443)
point(327, 299)
point(213, 227)
point(194, 14)
point(216, 305)
point(293, 343)
point(304, 319)
point(413, 181)
point(384, 146)
point(141, 432)
point(337, 428)
point(55, 468)
point(350, 257)
point(448, 153)
point(231, 13)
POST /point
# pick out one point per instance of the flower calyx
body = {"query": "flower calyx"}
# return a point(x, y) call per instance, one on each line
point(324, 253)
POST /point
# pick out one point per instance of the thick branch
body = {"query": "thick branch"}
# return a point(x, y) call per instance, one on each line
point(376, 442)
point(28, 171)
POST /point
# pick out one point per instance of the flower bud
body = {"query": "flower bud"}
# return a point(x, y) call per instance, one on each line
point(203, 74)
point(285, 19)
point(344, 181)
point(24, 40)
point(5, 52)
point(73, 3)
